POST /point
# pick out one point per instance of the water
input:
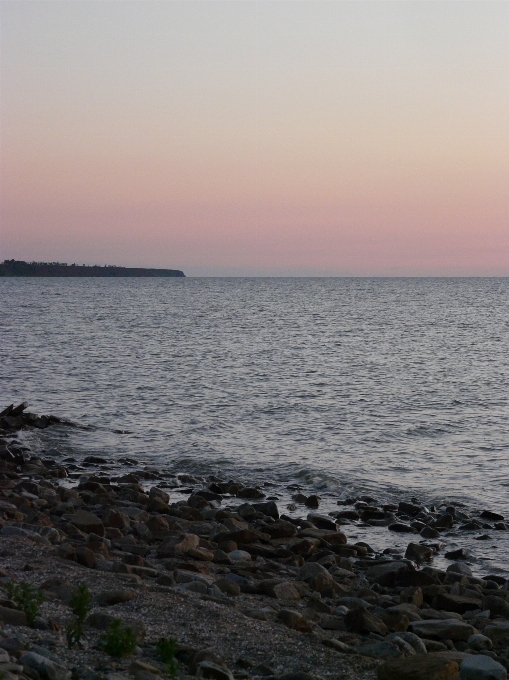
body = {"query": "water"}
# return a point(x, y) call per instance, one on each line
point(393, 387)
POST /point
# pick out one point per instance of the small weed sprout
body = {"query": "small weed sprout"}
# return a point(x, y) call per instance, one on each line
point(80, 603)
point(166, 650)
point(119, 641)
point(25, 597)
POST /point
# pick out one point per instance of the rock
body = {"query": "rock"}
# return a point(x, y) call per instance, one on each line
point(428, 532)
point(305, 547)
point(87, 522)
point(411, 596)
point(409, 509)
point(208, 669)
point(444, 522)
point(481, 667)
point(250, 493)
point(498, 631)
point(337, 645)
point(138, 665)
point(228, 587)
point(479, 642)
point(407, 578)
point(419, 667)
point(239, 556)
point(12, 617)
point(492, 516)
point(85, 557)
point(47, 669)
point(457, 603)
point(325, 585)
point(112, 597)
point(269, 509)
point(413, 640)
point(312, 501)
point(115, 519)
point(178, 545)
point(460, 568)
point(310, 569)
point(418, 552)
point(322, 521)
point(402, 528)
point(363, 622)
point(332, 623)
point(296, 675)
point(496, 605)
point(395, 620)
point(379, 650)
point(294, 620)
point(281, 590)
point(448, 629)
point(281, 529)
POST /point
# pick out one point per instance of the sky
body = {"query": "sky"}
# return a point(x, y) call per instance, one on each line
point(257, 137)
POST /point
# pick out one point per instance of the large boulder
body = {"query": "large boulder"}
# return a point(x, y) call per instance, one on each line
point(47, 669)
point(447, 629)
point(419, 667)
point(481, 667)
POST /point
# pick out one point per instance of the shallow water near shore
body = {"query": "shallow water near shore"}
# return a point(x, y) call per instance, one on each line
point(390, 387)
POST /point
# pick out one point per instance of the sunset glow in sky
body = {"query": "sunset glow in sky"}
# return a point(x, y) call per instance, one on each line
point(257, 137)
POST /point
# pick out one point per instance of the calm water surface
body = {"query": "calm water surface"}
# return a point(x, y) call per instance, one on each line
point(387, 386)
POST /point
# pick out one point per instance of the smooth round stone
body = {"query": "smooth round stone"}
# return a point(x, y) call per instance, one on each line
point(239, 555)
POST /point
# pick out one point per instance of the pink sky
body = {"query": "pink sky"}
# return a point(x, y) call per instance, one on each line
point(258, 138)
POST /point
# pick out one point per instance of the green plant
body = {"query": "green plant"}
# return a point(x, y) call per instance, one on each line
point(166, 650)
point(25, 597)
point(119, 641)
point(80, 603)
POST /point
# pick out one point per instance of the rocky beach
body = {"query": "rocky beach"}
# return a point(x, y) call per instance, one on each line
point(246, 586)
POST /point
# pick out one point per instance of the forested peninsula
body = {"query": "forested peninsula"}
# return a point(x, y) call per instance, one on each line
point(21, 268)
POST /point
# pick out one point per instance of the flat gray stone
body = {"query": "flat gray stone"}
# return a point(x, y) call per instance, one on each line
point(481, 667)
point(47, 669)
point(448, 629)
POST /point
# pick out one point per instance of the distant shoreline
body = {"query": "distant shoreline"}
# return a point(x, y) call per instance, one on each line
point(46, 269)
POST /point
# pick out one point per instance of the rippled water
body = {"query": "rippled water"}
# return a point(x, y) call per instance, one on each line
point(387, 386)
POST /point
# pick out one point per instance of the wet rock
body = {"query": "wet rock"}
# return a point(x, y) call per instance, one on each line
point(446, 521)
point(363, 622)
point(293, 620)
point(481, 667)
point(312, 501)
point(269, 509)
point(322, 521)
point(47, 669)
point(492, 516)
point(428, 532)
point(460, 568)
point(250, 493)
point(409, 509)
point(448, 629)
point(421, 667)
point(401, 528)
point(418, 552)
